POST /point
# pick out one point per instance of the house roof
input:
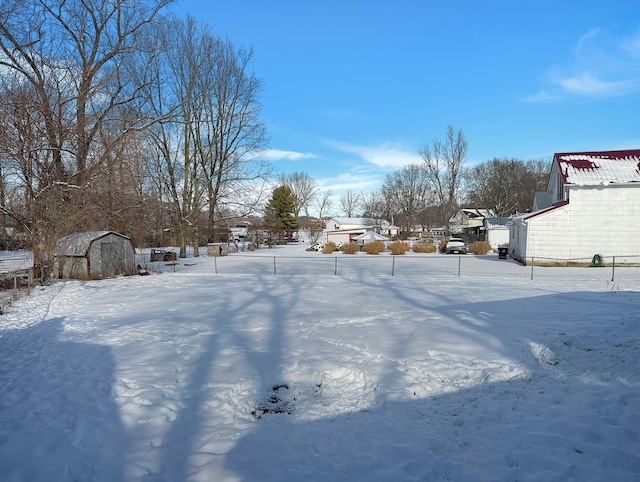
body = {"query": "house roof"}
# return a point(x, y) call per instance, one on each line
point(599, 168)
point(473, 213)
point(78, 244)
point(355, 221)
point(527, 216)
point(497, 222)
point(478, 213)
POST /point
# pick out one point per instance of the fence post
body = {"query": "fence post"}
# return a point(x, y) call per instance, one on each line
point(393, 265)
point(459, 262)
point(215, 264)
point(274, 265)
point(532, 263)
point(613, 269)
point(335, 266)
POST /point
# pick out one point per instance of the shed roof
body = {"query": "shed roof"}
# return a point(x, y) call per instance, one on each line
point(599, 168)
point(78, 244)
point(497, 222)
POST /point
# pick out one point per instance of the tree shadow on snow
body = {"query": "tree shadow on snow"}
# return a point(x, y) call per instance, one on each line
point(181, 442)
point(58, 418)
point(563, 416)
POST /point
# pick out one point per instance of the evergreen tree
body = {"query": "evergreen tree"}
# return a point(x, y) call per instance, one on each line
point(279, 213)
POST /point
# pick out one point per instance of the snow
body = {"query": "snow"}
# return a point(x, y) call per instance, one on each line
point(593, 170)
point(195, 375)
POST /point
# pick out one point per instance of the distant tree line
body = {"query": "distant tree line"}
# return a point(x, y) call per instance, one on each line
point(429, 193)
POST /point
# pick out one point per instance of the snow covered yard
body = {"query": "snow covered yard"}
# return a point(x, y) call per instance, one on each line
point(204, 376)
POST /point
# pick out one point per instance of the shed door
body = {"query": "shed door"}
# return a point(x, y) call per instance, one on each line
point(112, 259)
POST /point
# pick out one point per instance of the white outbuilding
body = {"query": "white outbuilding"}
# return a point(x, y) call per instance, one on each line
point(591, 207)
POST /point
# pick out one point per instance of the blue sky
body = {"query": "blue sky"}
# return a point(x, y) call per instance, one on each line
point(352, 89)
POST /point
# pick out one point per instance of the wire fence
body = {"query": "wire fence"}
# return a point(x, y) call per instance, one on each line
point(610, 269)
point(16, 279)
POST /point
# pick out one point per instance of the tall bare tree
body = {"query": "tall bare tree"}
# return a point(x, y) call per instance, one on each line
point(506, 185)
point(373, 205)
point(230, 134)
point(444, 160)
point(210, 138)
point(69, 62)
point(350, 203)
point(303, 187)
point(410, 191)
point(323, 205)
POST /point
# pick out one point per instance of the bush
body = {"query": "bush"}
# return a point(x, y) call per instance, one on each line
point(350, 248)
point(373, 247)
point(398, 248)
point(329, 248)
point(424, 248)
point(480, 247)
point(442, 246)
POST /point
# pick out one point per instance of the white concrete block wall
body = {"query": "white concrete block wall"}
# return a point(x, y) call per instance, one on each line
point(598, 220)
point(498, 236)
point(339, 237)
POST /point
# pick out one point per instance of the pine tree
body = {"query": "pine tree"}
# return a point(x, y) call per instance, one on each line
point(279, 212)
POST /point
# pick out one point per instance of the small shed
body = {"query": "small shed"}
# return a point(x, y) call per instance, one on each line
point(94, 255)
point(497, 231)
point(217, 249)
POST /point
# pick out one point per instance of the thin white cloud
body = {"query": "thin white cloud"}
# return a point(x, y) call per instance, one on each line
point(385, 155)
point(631, 45)
point(588, 85)
point(598, 68)
point(280, 155)
point(356, 180)
point(582, 47)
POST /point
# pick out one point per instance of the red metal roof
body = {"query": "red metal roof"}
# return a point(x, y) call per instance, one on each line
point(602, 167)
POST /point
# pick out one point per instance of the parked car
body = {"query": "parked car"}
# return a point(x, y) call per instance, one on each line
point(455, 245)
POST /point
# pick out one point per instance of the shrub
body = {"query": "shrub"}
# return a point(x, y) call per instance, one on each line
point(373, 247)
point(350, 248)
point(424, 248)
point(398, 248)
point(442, 246)
point(480, 247)
point(329, 248)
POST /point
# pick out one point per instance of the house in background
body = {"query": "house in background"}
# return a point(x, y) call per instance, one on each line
point(343, 230)
point(591, 206)
point(239, 231)
point(468, 223)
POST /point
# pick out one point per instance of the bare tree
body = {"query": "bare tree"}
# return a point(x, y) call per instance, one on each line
point(373, 205)
point(324, 204)
point(444, 160)
point(410, 191)
point(506, 185)
point(209, 138)
point(230, 135)
point(303, 187)
point(171, 77)
point(349, 202)
point(68, 61)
